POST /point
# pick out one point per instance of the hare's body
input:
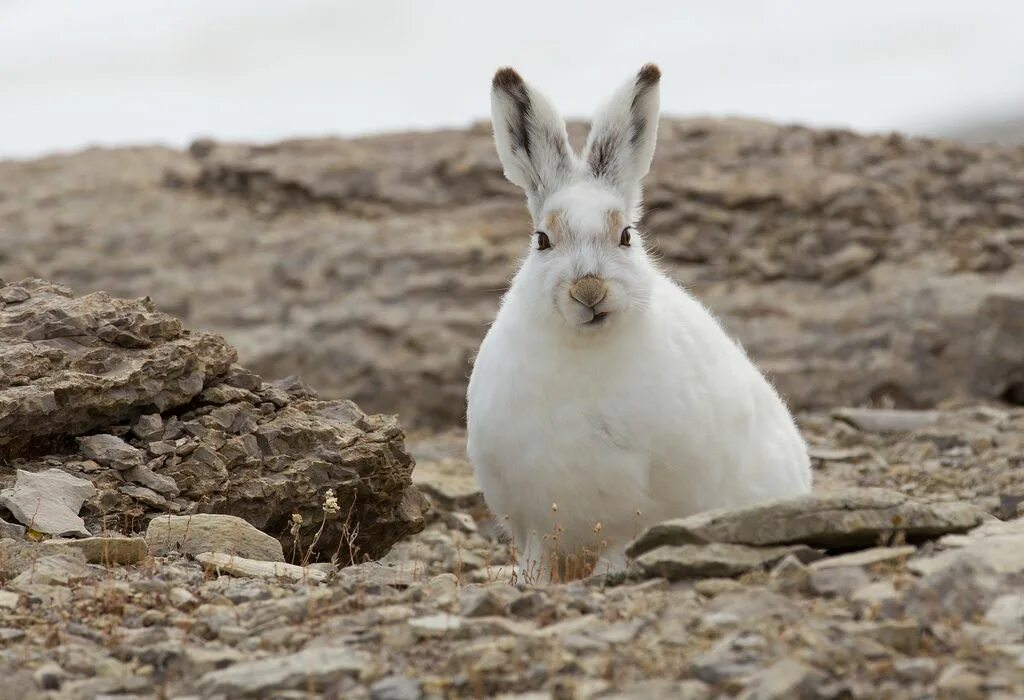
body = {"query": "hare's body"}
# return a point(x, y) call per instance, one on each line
point(605, 398)
point(609, 436)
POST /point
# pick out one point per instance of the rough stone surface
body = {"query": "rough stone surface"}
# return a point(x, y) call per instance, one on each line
point(851, 517)
point(48, 501)
point(72, 364)
point(203, 532)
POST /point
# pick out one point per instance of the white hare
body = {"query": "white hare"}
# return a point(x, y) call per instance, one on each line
point(604, 397)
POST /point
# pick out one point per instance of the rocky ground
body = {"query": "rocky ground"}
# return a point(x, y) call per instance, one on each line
point(174, 525)
point(126, 571)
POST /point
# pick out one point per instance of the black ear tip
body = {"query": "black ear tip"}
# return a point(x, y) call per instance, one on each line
point(650, 74)
point(506, 79)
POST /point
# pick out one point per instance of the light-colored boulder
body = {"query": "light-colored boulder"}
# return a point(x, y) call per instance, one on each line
point(207, 532)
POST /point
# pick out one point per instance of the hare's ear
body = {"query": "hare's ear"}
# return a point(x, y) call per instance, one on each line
point(621, 142)
point(530, 136)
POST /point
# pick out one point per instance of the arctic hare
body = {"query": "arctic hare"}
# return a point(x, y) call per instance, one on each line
point(604, 397)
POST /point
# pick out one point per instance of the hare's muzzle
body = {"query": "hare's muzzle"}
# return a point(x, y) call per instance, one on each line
point(589, 291)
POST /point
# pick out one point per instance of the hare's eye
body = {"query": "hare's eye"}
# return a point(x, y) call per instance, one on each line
point(543, 242)
point(624, 237)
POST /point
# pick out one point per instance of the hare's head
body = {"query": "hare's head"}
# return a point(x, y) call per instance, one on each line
point(586, 258)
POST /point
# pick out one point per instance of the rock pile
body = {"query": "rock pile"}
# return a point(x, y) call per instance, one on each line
point(166, 424)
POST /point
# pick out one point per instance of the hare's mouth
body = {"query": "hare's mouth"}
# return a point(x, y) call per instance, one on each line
point(598, 319)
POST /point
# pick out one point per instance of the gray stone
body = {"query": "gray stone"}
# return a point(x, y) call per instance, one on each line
point(8, 600)
point(373, 575)
point(148, 496)
point(219, 562)
point(1000, 545)
point(842, 518)
point(865, 557)
point(111, 451)
point(12, 294)
point(160, 483)
point(439, 625)
point(48, 501)
point(710, 560)
point(837, 581)
point(11, 530)
point(962, 589)
point(396, 688)
point(734, 656)
point(916, 669)
point(109, 550)
point(53, 569)
point(887, 420)
point(480, 603)
point(148, 427)
point(312, 670)
point(204, 532)
point(1007, 611)
point(783, 680)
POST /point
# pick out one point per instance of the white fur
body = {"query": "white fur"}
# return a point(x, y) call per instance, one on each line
point(654, 413)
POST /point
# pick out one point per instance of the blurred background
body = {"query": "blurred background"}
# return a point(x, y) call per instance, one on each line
point(114, 72)
point(316, 180)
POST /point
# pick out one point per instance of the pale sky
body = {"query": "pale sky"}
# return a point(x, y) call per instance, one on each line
point(75, 73)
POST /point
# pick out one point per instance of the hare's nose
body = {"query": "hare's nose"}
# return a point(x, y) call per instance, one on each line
point(589, 291)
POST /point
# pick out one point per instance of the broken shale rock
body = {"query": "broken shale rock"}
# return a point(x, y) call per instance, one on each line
point(153, 420)
point(846, 518)
point(73, 364)
point(690, 561)
point(48, 501)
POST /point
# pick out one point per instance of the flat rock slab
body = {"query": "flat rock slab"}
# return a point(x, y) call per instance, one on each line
point(109, 551)
point(865, 557)
point(887, 420)
point(271, 570)
point(206, 532)
point(55, 569)
point(998, 544)
point(836, 519)
point(111, 451)
point(692, 561)
point(49, 501)
point(309, 670)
